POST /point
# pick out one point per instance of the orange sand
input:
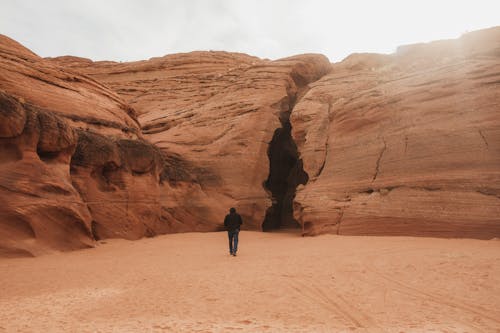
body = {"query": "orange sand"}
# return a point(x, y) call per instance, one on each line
point(279, 282)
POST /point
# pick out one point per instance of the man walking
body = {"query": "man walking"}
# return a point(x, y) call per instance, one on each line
point(232, 223)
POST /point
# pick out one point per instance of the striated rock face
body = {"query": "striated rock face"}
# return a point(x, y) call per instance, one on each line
point(82, 101)
point(96, 175)
point(404, 144)
point(219, 112)
point(119, 181)
point(73, 164)
point(40, 209)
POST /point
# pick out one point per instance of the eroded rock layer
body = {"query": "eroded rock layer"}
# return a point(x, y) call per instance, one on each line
point(40, 208)
point(74, 166)
point(404, 144)
point(219, 112)
point(207, 120)
point(82, 101)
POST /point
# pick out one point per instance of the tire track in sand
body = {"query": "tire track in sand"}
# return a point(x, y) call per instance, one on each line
point(334, 303)
point(436, 298)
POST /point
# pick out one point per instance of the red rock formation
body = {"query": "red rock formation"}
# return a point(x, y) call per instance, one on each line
point(212, 139)
point(404, 144)
point(218, 111)
point(40, 208)
point(73, 165)
point(385, 139)
point(84, 102)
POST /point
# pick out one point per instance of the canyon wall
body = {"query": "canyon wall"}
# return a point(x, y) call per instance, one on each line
point(74, 166)
point(219, 111)
point(91, 172)
point(404, 144)
point(400, 144)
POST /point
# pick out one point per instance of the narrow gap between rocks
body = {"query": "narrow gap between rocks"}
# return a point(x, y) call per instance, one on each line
point(285, 174)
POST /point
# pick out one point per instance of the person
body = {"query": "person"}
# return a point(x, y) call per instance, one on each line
point(232, 222)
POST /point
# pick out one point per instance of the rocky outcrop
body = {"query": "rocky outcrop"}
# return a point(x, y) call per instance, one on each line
point(404, 144)
point(196, 155)
point(401, 144)
point(41, 210)
point(74, 166)
point(82, 101)
point(219, 111)
point(398, 144)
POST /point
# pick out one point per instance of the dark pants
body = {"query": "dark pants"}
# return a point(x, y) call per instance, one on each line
point(233, 240)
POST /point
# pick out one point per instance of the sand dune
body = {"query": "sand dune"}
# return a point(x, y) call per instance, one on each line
point(280, 282)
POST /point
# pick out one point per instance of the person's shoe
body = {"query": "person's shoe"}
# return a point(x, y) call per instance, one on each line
point(234, 254)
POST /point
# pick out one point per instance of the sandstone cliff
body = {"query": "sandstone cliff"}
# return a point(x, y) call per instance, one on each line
point(73, 164)
point(207, 127)
point(221, 112)
point(401, 144)
point(404, 144)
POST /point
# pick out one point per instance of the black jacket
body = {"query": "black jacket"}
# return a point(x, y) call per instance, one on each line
point(232, 221)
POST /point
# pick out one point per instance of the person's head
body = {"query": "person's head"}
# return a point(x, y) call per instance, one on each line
point(232, 210)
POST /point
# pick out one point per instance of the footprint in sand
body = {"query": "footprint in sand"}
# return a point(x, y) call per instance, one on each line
point(160, 327)
point(212, 299)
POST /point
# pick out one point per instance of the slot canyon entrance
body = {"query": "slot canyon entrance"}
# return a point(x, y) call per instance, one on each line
point(285, 174)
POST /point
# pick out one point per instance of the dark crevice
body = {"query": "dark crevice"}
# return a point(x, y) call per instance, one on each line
point(339, 220)
point(484, 139)
point(377, 166)
point(285, 174)
point(94, 228)
point(326, 142)
point(47, 156)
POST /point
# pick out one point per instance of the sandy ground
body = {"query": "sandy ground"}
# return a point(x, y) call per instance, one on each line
point(280, 282)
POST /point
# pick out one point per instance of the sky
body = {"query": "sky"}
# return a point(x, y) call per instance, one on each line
point(127, 30)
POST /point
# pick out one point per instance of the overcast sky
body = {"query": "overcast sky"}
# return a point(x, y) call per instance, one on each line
point(125, 30)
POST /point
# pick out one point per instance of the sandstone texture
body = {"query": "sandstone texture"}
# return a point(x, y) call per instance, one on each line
point(82, 101)
point(219, 112)
point(40, 208)
point(400, 144)
point(404, 144)
point(73, 164)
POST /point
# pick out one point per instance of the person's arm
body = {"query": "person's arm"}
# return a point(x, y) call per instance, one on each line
point(241, 220)
point(225, 221)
